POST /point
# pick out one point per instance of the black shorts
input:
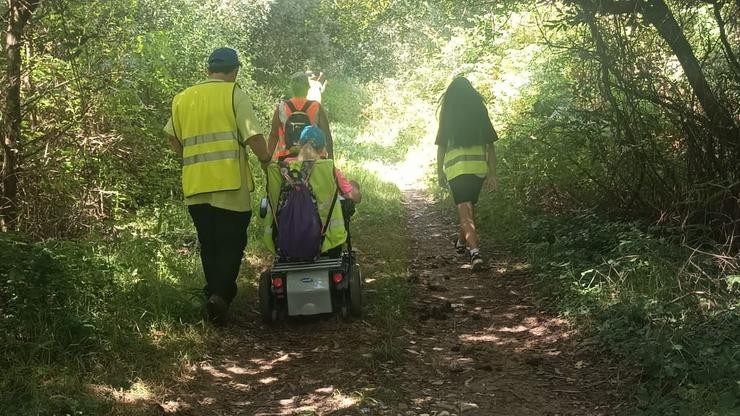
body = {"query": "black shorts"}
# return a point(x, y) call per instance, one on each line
point(466, 188)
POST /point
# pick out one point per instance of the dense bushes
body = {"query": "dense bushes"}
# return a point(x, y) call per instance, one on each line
point(669, 309)
point(108, 311)
point(596, 192)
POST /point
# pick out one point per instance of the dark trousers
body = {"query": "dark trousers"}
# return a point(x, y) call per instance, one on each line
point(223, 237)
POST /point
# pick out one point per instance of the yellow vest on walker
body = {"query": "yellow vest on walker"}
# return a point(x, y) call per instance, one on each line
point(204, 121)
point(324, 186)
point(465, 160)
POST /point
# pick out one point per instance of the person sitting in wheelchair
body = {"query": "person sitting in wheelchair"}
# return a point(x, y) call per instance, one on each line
point(312, 142)
point(302, 193)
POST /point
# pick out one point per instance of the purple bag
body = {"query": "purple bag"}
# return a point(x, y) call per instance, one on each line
point(299, 228)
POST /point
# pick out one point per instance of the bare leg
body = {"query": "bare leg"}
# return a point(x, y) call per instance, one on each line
point(468, 233)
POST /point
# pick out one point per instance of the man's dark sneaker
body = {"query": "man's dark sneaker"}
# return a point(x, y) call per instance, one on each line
point(216, 308)
point(476, 262)
point(460, 247)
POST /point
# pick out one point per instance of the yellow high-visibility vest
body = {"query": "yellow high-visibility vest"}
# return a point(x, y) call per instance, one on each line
point(465, 160)
point(323, 185)
point(205, 123)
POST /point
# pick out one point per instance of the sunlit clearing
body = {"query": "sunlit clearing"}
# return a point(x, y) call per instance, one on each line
point(409, 173)
point(413, 125)
point(510, 84)
point(454, 46)
point(268, 380)
point(399, 137)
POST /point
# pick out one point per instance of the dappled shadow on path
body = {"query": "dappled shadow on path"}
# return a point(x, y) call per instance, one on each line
point(300, 366)
point(477, 344)
point(487, 333)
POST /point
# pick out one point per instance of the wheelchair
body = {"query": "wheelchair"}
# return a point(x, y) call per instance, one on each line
point(327, 284)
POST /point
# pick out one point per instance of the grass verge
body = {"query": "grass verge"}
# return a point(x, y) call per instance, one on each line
point(99, 327)
point(83, 323)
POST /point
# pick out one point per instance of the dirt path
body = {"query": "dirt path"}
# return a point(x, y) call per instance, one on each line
point(478, 345)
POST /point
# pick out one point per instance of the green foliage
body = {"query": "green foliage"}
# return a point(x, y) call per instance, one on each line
point(384, 248)
point(591, 132)
point(670, 309)
point(123, 306)
point(346, 102)
point(99, 99)
point(572, 157)
point(355, 109)
point(130, 306)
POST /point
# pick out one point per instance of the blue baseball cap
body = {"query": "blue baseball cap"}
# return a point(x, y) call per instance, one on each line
point(223, 57)
point(314, 135)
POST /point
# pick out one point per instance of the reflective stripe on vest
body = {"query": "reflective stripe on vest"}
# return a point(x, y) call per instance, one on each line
point(465, 160)
point(323, 185)
point(204, 120)
point(283, 113)
point(210, 157)
point(208, 138)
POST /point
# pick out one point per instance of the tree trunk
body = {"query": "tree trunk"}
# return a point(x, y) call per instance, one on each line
point(19, 12)
point(722, 125)
point(729, 53)
point(659, 15)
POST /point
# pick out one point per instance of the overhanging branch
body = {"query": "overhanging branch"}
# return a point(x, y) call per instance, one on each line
point(608, 6)
point(613, 7)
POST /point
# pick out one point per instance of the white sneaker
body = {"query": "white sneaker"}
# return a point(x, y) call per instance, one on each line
point(476, 261)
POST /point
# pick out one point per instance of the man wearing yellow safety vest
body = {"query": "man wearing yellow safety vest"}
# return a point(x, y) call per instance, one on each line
point(466, 158)
point(299, 87)
point(211, 125)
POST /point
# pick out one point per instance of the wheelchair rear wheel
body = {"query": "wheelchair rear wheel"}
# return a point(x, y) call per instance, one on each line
point(268, 310)
point(355, 291)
